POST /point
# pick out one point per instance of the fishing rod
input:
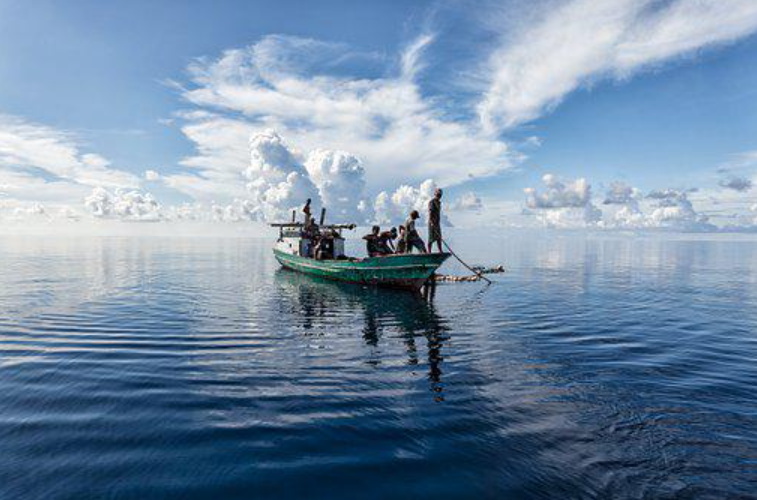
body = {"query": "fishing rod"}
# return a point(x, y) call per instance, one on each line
point(477, 273)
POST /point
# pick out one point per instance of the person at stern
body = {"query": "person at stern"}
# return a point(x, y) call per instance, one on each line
point(435, 221)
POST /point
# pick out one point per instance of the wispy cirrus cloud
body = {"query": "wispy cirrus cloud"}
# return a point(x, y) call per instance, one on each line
point(43, 164)
point(557, 47)
point(32, 148)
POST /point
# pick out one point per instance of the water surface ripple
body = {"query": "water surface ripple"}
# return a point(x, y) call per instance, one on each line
point(171, 368)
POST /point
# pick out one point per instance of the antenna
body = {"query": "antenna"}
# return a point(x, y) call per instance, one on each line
point(323, 216)
point(294, 215)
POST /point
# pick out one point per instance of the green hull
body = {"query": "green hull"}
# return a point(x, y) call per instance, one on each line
point(399, 271)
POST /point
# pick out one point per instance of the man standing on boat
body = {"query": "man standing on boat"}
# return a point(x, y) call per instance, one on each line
point(435, 221)
point(411, 237)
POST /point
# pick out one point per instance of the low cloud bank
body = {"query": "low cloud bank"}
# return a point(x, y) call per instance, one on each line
point(279, 178)
point(563, 204)
point(124, 205)
point(674, 210)
point(568, 204)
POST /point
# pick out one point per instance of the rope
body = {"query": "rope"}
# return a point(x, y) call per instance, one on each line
point(477, 273)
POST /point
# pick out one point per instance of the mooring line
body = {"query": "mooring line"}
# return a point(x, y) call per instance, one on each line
point(477, 273)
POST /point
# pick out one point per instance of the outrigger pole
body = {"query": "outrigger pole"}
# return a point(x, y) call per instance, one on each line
point(477, 273)
point(301, 224)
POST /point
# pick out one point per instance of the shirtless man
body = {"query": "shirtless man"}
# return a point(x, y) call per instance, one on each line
point(412, 238)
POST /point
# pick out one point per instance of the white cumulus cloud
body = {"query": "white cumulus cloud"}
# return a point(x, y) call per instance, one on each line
point(563, 204)
point(278, 182)
point(127, 205)
point(624, 209)
point(468, 201)
point(558, 194)
point(394, 207)
point(674, 210)
point(620, 193)
point(340, 178)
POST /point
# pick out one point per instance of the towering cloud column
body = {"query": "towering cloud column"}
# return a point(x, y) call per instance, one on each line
point(340, 179)
point(278, 183)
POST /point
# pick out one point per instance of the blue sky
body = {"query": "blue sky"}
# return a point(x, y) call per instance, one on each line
point(483, 98)
point(101, 67)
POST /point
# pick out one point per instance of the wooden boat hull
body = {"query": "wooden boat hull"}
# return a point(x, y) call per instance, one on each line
point(408, 271)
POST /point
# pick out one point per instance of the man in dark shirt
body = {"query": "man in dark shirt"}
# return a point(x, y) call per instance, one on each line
point(310, 231)
point(310, 228)
point(372, 242)
point(435, 221)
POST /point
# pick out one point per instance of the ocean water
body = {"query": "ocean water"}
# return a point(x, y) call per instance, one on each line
point(596, 367)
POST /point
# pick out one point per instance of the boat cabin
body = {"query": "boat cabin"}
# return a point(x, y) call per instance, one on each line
point(320, 242)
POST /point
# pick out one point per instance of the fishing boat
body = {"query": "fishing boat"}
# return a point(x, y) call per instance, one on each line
point(295, 249)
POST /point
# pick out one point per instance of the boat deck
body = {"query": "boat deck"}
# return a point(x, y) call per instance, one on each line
point(399, 271)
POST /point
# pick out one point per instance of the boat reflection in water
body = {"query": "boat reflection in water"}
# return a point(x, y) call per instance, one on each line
point(381, 315)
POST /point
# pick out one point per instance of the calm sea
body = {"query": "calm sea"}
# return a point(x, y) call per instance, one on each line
point(596, 367)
